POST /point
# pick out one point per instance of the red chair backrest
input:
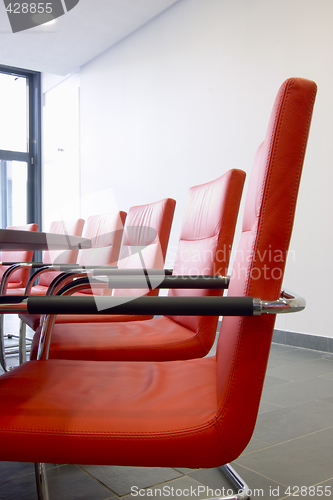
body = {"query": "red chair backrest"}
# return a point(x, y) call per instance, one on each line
point(105, 232)
point(244, 342)
point(145, 240)
point(206, 240)
point(20, 277)
point(72, 228)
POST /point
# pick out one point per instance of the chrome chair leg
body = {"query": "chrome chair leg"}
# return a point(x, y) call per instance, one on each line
point(41, 482)
point(237, 482)
point(2, 345)
point(22, 343)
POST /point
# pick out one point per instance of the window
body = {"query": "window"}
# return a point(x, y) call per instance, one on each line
point(20, 147)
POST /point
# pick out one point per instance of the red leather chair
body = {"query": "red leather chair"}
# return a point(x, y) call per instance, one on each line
point(191, 413)
point(105, 232)
point(141, 249)
point(204, 248)
point(144, 245)
point(70, 227)
point(19, 278)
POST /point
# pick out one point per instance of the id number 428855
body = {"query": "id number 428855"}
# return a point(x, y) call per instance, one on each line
point(29, 8)
point(311, 491)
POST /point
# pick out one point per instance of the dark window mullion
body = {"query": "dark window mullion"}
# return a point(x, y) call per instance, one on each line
point(33, 156)
point(34, 207)
point(3, 186)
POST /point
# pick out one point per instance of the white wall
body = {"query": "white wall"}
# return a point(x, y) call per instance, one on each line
point(188, 97)
point(61, 149)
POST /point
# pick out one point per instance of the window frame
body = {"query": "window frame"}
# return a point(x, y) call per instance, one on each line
point(33, 156)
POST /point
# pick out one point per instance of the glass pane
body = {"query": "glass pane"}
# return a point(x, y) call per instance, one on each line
point(14, 113)
point(13, 186)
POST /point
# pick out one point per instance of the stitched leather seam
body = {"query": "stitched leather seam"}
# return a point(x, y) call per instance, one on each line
point(146, 348)
point(199, 239)
point(170, 433)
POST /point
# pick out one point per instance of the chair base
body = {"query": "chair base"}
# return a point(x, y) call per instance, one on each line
point(41, 482)
point(235, 480)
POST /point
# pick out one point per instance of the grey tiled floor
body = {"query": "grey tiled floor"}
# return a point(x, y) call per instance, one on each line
point(292, 446)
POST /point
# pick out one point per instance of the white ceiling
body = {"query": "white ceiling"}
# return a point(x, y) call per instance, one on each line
point(78, 36)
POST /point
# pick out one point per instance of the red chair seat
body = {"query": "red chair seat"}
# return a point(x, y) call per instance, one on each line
point(160, 399)
point(157, 339)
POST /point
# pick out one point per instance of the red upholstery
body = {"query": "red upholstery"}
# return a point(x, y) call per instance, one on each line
point(20, 277)
point(192, 413)
point(105, 232)
point(138, 236)
point(204, 248)
point(147, 230)
point(72, 227)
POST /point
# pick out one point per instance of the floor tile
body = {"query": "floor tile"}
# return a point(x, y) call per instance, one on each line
point(121, 479)
point(302, 370)
point(71, 483)
point(254, 445)
point(298, 420)
point(298, 392)
point(302, 461)
point(21, 488)
point(183, 470)
point(271, 381)
point(327, 400)
point(10, 470)
point(293, 355)
point(266, 407)
point(67, 482)
point(280, 348)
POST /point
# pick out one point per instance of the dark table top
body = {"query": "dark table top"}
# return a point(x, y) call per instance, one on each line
point(13, 239)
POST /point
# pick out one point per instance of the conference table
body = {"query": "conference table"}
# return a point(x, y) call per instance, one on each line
point(18, 240)
point(30, 240)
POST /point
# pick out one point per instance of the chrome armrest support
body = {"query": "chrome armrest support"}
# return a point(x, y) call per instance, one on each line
point(42, 269)
point(143, 281)
point(8, 273)
point(287, 303)
point(209, 306)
